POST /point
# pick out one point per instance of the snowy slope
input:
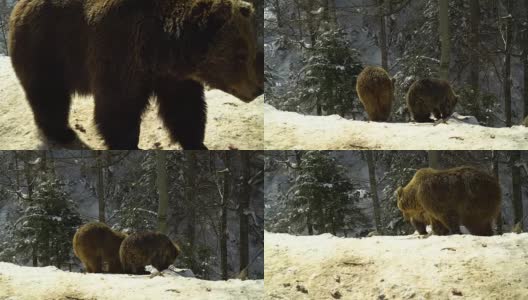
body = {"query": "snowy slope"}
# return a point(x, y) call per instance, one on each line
point(396, 267)
point(230, 122)
point(290, 130)
point(23, 283)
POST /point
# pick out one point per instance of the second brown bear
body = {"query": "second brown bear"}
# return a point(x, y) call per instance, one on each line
point(147, 248)
point(431, 96)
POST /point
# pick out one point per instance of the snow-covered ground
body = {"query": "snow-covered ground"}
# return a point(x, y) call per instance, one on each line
point(290, 130)
point(21, 283)
point(396, 267)
point(230, 122)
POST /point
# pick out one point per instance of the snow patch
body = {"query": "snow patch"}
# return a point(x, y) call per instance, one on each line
point(51, 283)
point(290, 130)
point(396, 267)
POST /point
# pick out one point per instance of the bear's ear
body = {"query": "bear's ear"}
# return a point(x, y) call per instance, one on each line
point(246, 9)
point(210, 14)
point(222, 12)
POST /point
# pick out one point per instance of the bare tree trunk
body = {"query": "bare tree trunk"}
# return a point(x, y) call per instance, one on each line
point(333, 12)
point(189, 197)
point(278, 12)
point(516, 188)
point(4, 24)
point(28, 177)
point(223, 217)
point(163, 192)
point(507, 64)
point(495, 169)
point(17, 174)
point(309, 225)
point(433, 158)
point(474, 7)
point(444, 38)
point(383, 36)
point(525, 58)
point(299, 16)
point(243, 210)
point(374, 190)
point(312, 30)
point(34, 254)
point(99, 161)
point(26, 157)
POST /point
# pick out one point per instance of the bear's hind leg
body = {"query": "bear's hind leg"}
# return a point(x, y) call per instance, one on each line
point(114, 266)
point(118, 119)
point(483, 229)
point(422, 118)
point(451, 221)
point(183, 110)
point(51, 107)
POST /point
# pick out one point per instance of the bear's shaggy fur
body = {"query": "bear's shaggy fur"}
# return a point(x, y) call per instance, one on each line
point(420, 221)
point(449, 198)
point(124, 51)
point(147, 248)
point(431, 96)
point(97, 246)
point(376, 91)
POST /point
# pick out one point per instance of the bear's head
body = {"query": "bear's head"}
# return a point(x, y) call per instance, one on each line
point(411, 211)
point(399, 201)
point(232, 63)
point(406, 205)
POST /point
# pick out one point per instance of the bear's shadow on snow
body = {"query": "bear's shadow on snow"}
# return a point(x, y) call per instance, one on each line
point(76, 144)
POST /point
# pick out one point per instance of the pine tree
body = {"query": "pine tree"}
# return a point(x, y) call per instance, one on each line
point(327, 81)
point(47, 222)
point(322, 196)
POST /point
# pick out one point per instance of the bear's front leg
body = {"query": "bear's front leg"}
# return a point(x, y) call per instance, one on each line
point(419, 226)
point(118, 118)
point(183, 110)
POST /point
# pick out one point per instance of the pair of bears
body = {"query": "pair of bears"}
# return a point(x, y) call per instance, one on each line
point(102, 249)
point(446, 199)
point(125, 51)
point(425, 97)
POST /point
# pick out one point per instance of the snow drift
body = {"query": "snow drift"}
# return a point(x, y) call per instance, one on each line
point(230, 122)
point(17, 282)
point(396, 267)
point(290, 130)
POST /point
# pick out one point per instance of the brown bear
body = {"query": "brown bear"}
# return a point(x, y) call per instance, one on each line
point(449, 198)
point(123, 52)
point(97, 246)
point(147, 248)
point(376, 92)
point(431, 96)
